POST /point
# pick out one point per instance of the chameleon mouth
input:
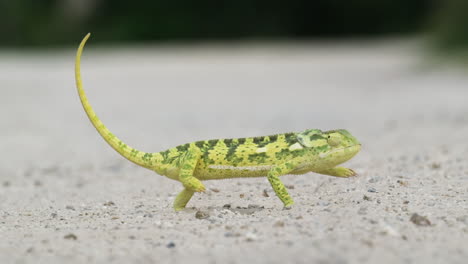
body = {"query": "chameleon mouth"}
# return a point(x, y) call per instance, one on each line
point(348, 152)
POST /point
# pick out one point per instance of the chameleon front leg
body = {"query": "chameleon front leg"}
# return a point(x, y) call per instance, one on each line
point(338, 172)
point(277, 185)
point(182, 199)
point(190, 183)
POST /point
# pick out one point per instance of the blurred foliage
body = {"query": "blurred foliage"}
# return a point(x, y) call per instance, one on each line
point(450, 26)
point(61, 22)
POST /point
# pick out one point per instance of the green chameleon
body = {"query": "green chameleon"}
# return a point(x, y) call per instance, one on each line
point(272, 156)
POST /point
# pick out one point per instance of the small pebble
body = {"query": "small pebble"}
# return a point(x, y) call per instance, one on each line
point(323, 203)
point(71, 237)
point(372, 190)
point(231, 234)
point(420, 220)
point(241, 195)
point(214, 190)
point(366, 198)
point(251, 237)
point(290, 186)
point(110, 203)
point(202, 215)
point(402, 183)
point(170, 245)
point(226, 206)
point(265, 193)
point(279, 224)
point(70, 207)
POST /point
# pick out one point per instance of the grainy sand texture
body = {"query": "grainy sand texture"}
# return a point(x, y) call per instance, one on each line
point(67, 197)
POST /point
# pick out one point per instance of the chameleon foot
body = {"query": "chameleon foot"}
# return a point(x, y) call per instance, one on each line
point(288, 206)
point(182, 199)
point(194, 185)
point(338, 172)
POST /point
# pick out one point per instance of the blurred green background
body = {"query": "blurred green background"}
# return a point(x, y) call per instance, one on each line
point(27, 23)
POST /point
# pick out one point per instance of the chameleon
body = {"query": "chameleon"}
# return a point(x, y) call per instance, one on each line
point(311, 150)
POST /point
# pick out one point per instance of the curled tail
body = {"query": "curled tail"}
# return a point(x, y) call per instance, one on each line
point(140, 158)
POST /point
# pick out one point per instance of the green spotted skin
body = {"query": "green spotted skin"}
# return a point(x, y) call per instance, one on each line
point(268, 156)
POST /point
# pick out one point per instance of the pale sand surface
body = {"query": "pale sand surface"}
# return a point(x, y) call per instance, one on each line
point(67, 197)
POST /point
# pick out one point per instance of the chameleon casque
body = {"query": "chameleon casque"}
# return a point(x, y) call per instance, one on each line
point(272, 156)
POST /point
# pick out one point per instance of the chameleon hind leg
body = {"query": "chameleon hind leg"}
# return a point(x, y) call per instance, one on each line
point(277, 185)
point(182, 199)
point(187, 167)
point(191, 184)
point(338, 172)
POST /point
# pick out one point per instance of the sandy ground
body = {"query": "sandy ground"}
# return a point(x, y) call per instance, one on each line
point(66, 197)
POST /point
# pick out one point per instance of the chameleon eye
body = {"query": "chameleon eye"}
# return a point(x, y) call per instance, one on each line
point(333, 141)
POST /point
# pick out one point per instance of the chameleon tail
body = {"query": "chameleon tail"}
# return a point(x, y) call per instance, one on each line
point(140, 158)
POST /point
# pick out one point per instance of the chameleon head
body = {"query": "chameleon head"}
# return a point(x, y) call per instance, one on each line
point(332, 147)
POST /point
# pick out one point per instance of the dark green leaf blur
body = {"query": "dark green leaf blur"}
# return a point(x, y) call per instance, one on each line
point(26, 23)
